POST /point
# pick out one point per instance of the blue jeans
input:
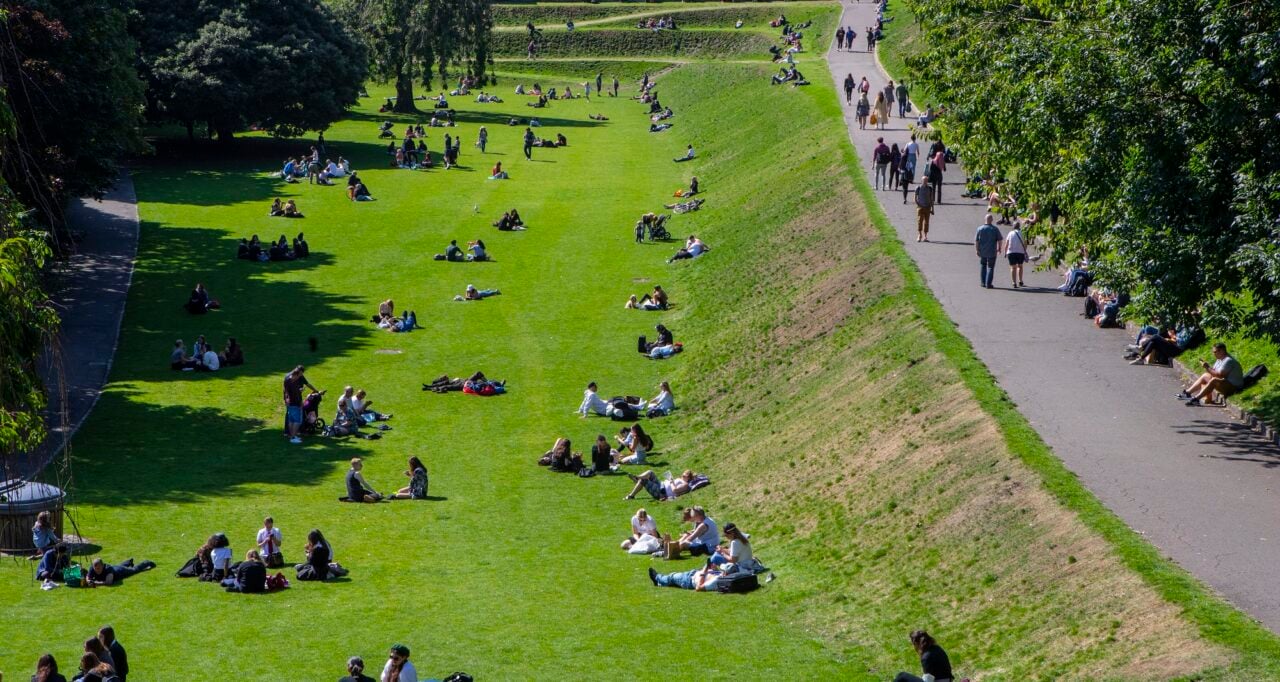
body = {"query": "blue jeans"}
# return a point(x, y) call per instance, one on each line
point(1148, 330)
point(682, 580)
point(902, 108)
point(987, 271)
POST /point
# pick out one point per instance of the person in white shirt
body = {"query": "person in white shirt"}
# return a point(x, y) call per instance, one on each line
point(738, 553)
point(209, 361)
point(220, 556)
point(334, 170)
point(592, 402)
point(641, 525)
point(663, 403)
point(398, 668)
point(269, 543)
point(1016, 249)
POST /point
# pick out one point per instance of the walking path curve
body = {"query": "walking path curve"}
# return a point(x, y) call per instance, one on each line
point(1199, 485)
point(90, 289)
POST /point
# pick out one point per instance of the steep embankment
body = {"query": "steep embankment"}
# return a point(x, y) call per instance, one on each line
point(842, 435)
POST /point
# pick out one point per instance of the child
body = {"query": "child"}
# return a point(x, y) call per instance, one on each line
point(269, 542)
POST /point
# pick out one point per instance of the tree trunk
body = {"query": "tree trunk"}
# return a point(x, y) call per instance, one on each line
point(191, 131)
point(404, 94)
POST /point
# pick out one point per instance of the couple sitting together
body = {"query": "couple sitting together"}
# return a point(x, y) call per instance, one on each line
point(386, 318)
point(662, 347)
point(626, 408)
point(655, 301)
point(359, 490)
point(510, 220)
point(288, 209)
point(354, 411)
point(454, 254)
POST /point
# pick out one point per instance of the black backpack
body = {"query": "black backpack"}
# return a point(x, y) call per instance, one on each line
point(624, 411)
point(458, 677)
point(1081, 287)
point(738, 583)
point(642, 344)
point(1254, 375)
point(1090, 307)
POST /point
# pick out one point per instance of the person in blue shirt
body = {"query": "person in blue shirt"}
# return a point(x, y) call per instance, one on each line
point(54, 560)
point(42, 535)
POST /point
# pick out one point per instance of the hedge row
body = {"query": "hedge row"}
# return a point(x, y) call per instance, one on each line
point(519, 15)
point(511, 72)
point(753, 18)
point(716, 14)
point(632, 43)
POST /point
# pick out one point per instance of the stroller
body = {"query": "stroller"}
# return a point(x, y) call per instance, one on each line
point(384, 130)
point(312, 424)
point(658, 230)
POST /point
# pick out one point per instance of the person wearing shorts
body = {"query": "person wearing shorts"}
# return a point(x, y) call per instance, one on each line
point(1016, 249)
point(293, 383)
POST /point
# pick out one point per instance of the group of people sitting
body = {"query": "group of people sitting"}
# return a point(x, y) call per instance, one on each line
point(454, 254)
point(486, 98)
point(354, 412)
point(653, 301)
point(359, 490)
point(280, 250)
point(661, 23)
point(725, 563)
point(386, 318)
point(633, 446)
point(356, 189)
point(510, 221)
point(476, 384)
point(626, 408)
point(104, 660)
point(214, 562)
point(203, 358)
point(789, 74)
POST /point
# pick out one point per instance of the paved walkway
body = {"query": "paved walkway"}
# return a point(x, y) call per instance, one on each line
point(90, 290)
point(1197, 484)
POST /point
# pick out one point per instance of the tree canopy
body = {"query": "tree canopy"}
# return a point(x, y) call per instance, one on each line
point(286, 66)
point(1151, 126)
point(409, 39)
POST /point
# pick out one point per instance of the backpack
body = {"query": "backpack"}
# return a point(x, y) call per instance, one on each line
point(642, 345)
point(73, 575)
point(587, 472)
point(1090, 307)
point(883, 157)
point(623, 411)
point(737, 583)
point(1254, 375)
point(458, 677)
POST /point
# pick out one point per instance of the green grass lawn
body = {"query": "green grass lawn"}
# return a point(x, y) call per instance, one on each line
point(821, 390)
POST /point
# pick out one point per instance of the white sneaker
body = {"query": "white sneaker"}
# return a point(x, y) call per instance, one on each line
point(295, 440)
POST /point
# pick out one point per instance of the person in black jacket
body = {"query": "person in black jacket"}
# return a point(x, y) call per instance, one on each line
point(251, 575)
point(318, 554)
point(47, 670)
point(107, 635)
point(933, 660)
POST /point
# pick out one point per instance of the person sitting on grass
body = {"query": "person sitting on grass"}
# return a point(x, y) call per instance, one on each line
point(102, 573)
point(704, 537)
point(199, 302)
point(665, 338)
point(335, 170)
point(277, 208)
point(602, 456)
point(208, 361)
point(178, 358)
point(300, 247)
point(361, 404)
point(662, 404)
point(269, 543)
point(359, 490)
point(359, 192)
point(398, 667)
point(318, 554)
point(693, 247)
point(417, 488)
point(738, 555)
point(474, 294)
point(291, 210)
point(497, 173)
point(279, 250)
point(47, 670)
point(220, 556)
point(478, 251)
point(42, 535)
point(94, 669)
point(289, 172)
point(933, 660)
point(703, 579)
point(637, 442)
point(592, 402)
point(561, 457)
point(655, 301)
point(355, 671)
point(55, 559)
point(452, 253)
point(663, 490)
point(250, 577)
point(642, 525)
point(1224, 377)
point(688, 155)
point(1157, 348)
point(506, 223)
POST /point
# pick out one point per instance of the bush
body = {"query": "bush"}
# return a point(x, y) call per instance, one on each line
point(635, 43)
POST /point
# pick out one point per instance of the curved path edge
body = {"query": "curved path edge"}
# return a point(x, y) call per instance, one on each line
point(1197, 484)
point(90, 290)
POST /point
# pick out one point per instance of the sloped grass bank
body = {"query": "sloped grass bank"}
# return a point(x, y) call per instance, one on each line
point(636, 43)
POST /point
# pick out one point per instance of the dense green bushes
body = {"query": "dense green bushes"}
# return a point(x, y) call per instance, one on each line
point(636, 43)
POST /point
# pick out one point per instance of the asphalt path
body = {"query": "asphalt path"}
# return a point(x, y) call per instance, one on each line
point(1196, 483)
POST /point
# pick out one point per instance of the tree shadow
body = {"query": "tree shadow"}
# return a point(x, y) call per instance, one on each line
point(486, 118)
point(1242, 443)
point(190, 452)
point(264, 315)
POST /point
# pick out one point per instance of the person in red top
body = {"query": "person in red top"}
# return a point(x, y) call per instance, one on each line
point(293, 383)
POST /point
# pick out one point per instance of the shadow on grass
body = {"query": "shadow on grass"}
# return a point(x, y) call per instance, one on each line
point(190, 452)
point(485, 118)
point(274, 321)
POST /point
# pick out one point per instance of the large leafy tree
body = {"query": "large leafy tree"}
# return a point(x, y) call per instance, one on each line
point(286, 66)
point(1151, 125)
point(75, 98)
point(409, 41)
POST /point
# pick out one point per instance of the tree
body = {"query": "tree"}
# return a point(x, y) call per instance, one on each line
point(75, 97)
point(286, 66)
point(409, 39)
point(1151, 126)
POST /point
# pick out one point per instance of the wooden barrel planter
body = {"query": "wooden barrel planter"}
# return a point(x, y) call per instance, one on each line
point(20, 503)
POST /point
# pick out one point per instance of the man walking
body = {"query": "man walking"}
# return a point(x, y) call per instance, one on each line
point(528, 143)
point(903, 97)
point(889, 91)
point(849, 85)
point(615, 86)
point(839, 38)
point(986, 241)
point(924, 208)
point(880, 157)
point(599, 84)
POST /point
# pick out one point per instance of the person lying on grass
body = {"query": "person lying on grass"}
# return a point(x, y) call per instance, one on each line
point(654, 301)
point(693, 247)
point(662, 115)
point(669, 489)
point(358, 490)
point(478, 384)
point(642, 525)
point(405, 323)
point(703, 579)
point(474, 294)
point(417, 488)
point(688, 155)
point(250, 575)
point(659, 127)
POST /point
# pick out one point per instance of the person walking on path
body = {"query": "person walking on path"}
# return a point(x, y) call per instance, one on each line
point(909, 155)
point(882, 111)
point(615, 86)
point(528, 143)
point(839, 38)
point(924, 208)
point(937, 165)
point(889, 97)
point(903, 99)
point(849, 85)
point(865, 86)
point(871, 40)
point(849, 36)
point(1016, 250)
point(599, 84)
point(987, 241)
point(863, 110)
point(880, 160)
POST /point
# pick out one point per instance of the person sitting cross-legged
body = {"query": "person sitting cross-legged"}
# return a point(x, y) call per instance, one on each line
point(250, 575)
point(1223, 377)
point(357, 489)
